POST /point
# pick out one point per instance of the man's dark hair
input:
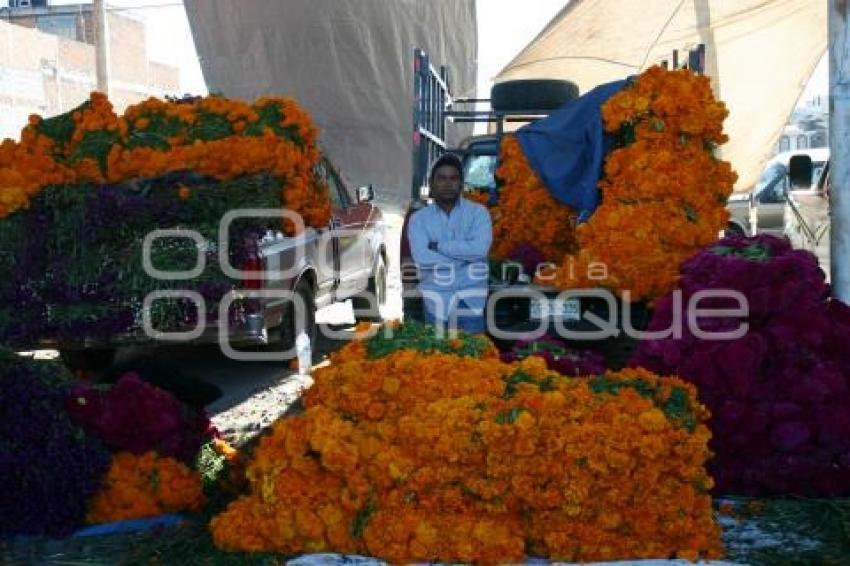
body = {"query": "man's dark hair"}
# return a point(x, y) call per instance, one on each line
point(447, 159)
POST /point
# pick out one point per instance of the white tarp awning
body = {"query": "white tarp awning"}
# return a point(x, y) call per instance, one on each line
point(759, 54)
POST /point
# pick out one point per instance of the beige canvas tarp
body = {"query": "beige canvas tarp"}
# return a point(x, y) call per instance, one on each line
point(759, 54)
point(350, 63)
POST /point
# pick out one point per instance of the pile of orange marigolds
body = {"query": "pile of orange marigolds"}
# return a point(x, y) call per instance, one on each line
point(414, 456)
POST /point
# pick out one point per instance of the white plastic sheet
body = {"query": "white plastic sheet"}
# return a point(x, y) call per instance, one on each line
point(349, 62)
point(759, 54)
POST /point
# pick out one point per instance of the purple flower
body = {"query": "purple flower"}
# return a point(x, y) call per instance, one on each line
point(779, 394)
point(529, 256)
point(48, 468)
point(789, 436)
point(135, 416)
point(559, 356)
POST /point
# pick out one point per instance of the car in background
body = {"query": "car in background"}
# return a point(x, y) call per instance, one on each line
point(762, 210)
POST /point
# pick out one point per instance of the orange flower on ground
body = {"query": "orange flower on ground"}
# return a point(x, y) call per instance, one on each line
point(145, 486)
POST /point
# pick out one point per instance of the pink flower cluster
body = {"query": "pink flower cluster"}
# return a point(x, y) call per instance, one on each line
point(134, 416)
point(779, 395)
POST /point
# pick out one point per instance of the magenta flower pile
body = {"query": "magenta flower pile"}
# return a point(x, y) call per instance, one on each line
point(779, 394)
point(134, 416)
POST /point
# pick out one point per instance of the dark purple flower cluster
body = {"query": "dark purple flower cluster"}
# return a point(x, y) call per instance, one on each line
point(558, 356)
point(49, 469)
point(135, 416)
point(529, 256)
point(72, 261)
point(780, 394)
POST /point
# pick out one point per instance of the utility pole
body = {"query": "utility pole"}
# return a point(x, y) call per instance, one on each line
point(101, 46)
point(839, 145)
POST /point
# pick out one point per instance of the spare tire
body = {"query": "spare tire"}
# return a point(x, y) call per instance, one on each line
point(532, 94)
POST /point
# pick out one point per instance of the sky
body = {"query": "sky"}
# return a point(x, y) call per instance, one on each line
point(503, 31)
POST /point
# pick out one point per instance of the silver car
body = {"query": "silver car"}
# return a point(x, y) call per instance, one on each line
point(762, 210)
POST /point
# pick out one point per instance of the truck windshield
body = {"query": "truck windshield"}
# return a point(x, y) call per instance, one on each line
point(479, 171)
point(769, 177)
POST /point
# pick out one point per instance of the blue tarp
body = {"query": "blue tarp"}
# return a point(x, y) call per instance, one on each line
point(129, 526)
point(567, 148)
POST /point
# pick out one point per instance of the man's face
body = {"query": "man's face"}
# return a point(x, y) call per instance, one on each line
point(445, 184)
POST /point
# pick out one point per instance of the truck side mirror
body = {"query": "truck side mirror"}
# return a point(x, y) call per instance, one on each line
point(366, 194)
point(800, 172)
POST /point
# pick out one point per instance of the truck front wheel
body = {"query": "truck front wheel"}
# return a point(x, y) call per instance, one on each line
point(368, 306)
point(291, 326)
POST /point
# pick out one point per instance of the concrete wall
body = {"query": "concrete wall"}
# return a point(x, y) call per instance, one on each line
point(46, 74)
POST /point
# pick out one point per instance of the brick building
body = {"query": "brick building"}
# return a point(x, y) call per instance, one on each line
point(47, 62)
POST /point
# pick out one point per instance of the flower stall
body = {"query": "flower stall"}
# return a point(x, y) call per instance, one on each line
point(413, 445)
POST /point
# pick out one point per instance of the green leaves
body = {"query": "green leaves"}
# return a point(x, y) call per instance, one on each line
point(155, 135)
point(752, 252)
point(210, 127)
point(512, 383)
point(361, 519)
point(677, 407)
point(60, 128)
point(422, 338)
point(270, 117)
point(511, 416)
point(95, 145)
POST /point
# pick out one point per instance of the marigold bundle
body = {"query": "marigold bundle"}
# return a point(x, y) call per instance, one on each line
point(145, 486)
point(527, 214)
point(81, 191)
point(779, 393)
point(663, 191)
point(454, 456)
point(212, 136)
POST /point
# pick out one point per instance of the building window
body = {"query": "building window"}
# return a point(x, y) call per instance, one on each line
point(63, 25)
point(802, 142)
point(784, 143)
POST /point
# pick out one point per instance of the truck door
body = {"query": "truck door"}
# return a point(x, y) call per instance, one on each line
point(351, 221)
point(769, 201)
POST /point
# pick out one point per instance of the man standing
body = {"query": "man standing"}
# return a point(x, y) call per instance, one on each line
point(449, 240)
